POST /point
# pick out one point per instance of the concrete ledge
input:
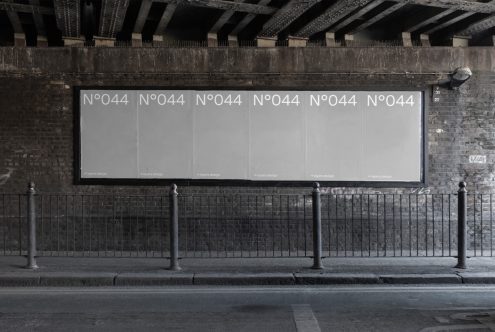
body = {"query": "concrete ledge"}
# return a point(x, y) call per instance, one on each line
point(153, 279)
point(421, 279)
point(77, 279)
point(335, 278)
point(19, 279)
point(244, 279)
point(478, 278)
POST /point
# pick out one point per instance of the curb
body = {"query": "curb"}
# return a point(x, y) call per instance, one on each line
point(477, 278)
point(244, 279)
point(77, 279)
point(421, 279)
point(335, 278)
point(95, 279)
point(156, 279)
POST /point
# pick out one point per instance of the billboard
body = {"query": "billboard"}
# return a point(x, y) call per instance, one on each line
point(350, 136)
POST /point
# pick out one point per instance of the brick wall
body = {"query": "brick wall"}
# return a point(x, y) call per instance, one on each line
point(36, 119)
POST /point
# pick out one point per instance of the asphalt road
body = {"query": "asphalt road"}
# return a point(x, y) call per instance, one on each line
point(305, 309)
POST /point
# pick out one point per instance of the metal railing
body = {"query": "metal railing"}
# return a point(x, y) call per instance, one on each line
point(248, 225)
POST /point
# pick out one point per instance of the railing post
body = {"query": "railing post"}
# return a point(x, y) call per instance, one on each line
point(316, 227)
point(461, 226)
point(174, 228)
point(31, 214)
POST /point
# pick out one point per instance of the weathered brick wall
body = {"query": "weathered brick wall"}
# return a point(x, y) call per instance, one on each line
point(36, 125)
point(36, 106)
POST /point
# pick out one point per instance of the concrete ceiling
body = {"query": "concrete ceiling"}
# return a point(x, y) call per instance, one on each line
point(372, 20)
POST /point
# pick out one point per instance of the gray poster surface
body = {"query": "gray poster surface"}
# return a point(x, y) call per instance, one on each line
point(252, 135)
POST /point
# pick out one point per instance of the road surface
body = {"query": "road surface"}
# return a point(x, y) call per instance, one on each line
point(303, 309)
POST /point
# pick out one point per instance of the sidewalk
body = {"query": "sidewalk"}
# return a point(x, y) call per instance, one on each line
point(69, 271)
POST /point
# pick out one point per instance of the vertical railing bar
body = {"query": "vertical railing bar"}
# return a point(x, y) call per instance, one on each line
point(146, 234)
point(19, 213)
point(377, 227)
point(491, 226)
point(400, 220)
point(352, 224)
point(361, 220)
point(41, 242)
point(121, 210)
point(474, 224)
point(393, 225)
point(417, 225)
point(369, 228)
point(82, 219)
point(288, 223)
point(385, 223)
point(66, 225)
point(433, 222)
point(426, 223)
point(91, 207)
point(4, 229)
point(209, 226)
point(304, 223)
point(258, 231)
point(114, 246)
point(481, 223)
point(183, 204)
point(57, 216)
point(219, 217)
point(450, 221)
point(443, 228)
point(74, 218)
point(195, 251)
point(345, 225)
point(329, 225)
point(410, 225)
point(337, 237)
point(138, 207)
point(99, 208)
point(2, 225)
point(281, 226)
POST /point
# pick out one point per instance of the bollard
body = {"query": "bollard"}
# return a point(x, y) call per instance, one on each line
point(31, 254)
point(316, 227)
point(461, 226)
point(174, 228)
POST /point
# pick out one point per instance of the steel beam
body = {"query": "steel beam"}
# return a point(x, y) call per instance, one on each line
point(112, 17)
point(478, 27)
point(378, 17)
point(285, 16)
point(247, 19)
point(165, 19)
point(448, 23)
point(225, 5)
point(431, 20)
point(223, 19)
point(23, 8)
point(38, 19)
point(464, 5)
point(144, 11)
point(15, 22)
point(357, 15)
point(332, 15)
point(68, 16)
